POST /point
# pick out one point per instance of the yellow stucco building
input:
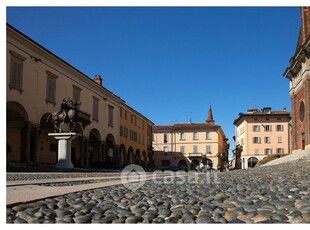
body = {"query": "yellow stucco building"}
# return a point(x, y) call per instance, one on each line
point(36, 83)
point(184, 146)
point(135, 138)
point(259, 133)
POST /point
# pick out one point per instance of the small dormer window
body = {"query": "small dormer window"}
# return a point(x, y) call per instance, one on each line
point(266, 110)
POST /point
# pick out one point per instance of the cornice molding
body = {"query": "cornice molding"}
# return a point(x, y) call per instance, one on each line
point(300, 57)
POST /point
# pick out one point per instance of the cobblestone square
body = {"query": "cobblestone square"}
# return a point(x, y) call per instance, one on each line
point(272, 194)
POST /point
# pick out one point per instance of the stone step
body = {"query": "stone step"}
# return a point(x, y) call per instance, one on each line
point(303, 155)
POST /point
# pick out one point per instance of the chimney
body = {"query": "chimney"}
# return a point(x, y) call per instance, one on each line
point(251, 111)
point(98, 79)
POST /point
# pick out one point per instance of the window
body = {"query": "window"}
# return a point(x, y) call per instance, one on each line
point(268, 128)
point(302, 111)
point(182, 136)
point(76, 93)
point(126, 132)
point(166, 149)
point(121, 112)
point(133, 119)
point(133, 135)
point(95, 109)
point(267, 139)
point(51, 88)
point(182, 149)
point(256, 128)
point(121, 131)
point(208, 149)
point(165, 138)
point(279, 139)
point(268, 151)
point(208, 135)
point(256, 151)
point(195, 149)
point(256, 140)
point(16, 71)
point(126, 114)
point(195, 136)
point(280, 150)
point(110, 116)
point(280, 128)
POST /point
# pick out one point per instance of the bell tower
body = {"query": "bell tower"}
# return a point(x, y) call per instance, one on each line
point(210, 117)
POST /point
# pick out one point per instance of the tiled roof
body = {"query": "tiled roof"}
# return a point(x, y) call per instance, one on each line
point(184, 126)
point(261, 113)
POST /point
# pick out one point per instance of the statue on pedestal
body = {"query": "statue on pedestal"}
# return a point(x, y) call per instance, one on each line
point(66, 115)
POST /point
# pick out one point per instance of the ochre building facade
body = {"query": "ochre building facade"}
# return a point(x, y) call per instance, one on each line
point(259, 133)
point(184, 146)
point(37, 82)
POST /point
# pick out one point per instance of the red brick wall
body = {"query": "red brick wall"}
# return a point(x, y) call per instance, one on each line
point(298, 127)
point(304, 26)
point(303, 94)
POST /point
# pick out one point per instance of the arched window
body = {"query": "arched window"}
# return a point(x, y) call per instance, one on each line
point(252, 161)
point(302, 111)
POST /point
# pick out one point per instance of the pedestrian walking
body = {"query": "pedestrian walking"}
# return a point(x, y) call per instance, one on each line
point(201, 166)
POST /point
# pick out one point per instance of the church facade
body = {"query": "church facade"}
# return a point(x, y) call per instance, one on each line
point(298, 73)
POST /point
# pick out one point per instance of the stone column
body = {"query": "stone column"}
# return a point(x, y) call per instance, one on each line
point(82, 153)
point(64, 148)
point(117, 159)
point(35, 141)
point(103, 154)
point(27, 143)
point(86, 153)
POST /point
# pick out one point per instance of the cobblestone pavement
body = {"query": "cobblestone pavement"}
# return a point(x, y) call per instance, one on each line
point(40, 176)
point(274, 194)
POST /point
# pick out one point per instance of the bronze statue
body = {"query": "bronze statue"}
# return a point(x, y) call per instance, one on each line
point(66, 115)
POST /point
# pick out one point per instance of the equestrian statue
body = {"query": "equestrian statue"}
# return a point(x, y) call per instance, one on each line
point(66, 115)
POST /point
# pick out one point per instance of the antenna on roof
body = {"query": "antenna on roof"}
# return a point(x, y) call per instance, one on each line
point(190, 118)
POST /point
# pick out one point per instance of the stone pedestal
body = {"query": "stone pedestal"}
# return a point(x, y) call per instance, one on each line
point(64, 148)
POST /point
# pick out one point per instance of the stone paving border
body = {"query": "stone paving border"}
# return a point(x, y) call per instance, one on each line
point(30, 190)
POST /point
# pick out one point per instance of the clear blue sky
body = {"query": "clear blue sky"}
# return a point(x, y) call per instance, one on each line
point(170, 63)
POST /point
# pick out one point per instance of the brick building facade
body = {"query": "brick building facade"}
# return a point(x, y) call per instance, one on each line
point(298, 74)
